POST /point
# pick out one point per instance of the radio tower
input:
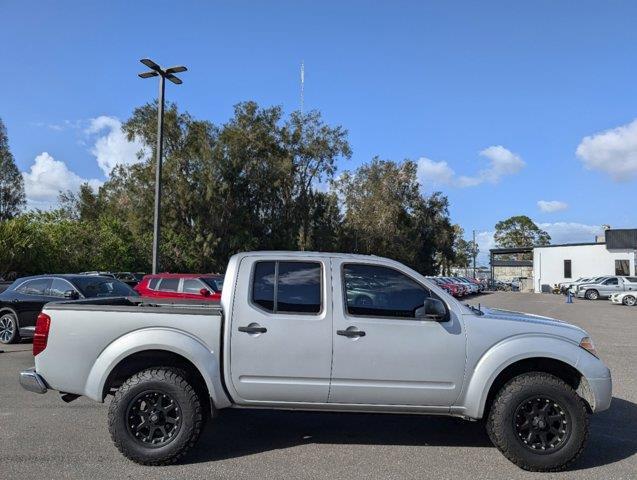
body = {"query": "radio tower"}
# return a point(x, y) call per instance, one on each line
point(302, 83)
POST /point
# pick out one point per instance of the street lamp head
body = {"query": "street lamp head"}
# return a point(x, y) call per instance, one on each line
point(177, 69)
point(147, 74)
point(174, 79)
point(150, 64)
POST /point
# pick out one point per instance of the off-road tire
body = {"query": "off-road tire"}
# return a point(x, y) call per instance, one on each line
point(172, 382)
point(9, 321)
point(502, 432)
point(628, 300)
point(592, 294)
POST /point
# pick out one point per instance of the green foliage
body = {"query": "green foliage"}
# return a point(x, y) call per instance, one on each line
point(385, 214)
point(248, 184)
point(12, 199)
point(519, 231)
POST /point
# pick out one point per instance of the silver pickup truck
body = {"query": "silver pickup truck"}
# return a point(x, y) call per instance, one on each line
point(322, 331)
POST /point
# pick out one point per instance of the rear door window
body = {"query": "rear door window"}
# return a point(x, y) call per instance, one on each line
point(169, 284)
point(263, 282)
point(192, 286)
point(287, 287)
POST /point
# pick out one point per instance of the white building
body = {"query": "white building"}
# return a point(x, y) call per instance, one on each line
point(562, 263)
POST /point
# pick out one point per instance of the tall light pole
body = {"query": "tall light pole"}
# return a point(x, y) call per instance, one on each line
point(156, 70)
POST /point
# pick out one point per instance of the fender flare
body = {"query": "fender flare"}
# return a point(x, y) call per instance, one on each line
point(506, 353)
point(158, 338)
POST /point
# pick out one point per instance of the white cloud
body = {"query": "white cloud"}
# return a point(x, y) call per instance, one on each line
point(613, 151)
point(113, 148)
point(571, 232)
point(434, 173)
point(502, 162)
point(47, 177)
point(550, 206)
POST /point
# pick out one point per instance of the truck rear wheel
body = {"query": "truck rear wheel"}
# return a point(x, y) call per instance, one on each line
point(538, 422)
point(155, 417)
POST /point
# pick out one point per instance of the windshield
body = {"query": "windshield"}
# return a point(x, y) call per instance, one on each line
point(92, 287)
point(216, 283)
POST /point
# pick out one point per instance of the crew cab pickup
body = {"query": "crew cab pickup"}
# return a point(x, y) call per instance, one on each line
point(322, 331)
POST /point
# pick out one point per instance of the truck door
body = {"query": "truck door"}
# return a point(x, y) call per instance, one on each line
point(281, 332)
point(382, 354)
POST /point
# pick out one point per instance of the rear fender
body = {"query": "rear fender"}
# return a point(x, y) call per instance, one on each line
point(171, 340)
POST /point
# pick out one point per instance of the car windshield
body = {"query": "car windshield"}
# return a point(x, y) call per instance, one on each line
point(215, 282)
point(102, 287)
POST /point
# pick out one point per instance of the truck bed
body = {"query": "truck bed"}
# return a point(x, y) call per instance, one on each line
point(87, 336)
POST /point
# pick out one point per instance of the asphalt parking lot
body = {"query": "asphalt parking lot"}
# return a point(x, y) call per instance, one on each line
point(42, 437)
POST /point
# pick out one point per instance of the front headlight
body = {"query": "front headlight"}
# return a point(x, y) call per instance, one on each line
point(587, 344)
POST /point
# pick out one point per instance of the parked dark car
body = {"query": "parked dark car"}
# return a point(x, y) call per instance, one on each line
point(21, 303)
point(131, 279)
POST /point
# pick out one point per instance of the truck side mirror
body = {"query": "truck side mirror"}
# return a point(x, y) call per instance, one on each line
point(204, 292)
point(433, 309)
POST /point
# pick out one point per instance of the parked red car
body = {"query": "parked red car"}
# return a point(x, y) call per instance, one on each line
point(193, 286)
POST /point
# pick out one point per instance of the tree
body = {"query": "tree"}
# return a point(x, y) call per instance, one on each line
point(12, 198)
point(464, 250)
point(519, 231)
point(386, 214)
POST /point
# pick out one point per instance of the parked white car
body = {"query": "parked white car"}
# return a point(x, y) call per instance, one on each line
point(624, 298)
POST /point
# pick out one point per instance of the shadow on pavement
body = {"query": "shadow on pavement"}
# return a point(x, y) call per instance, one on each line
point(236, 433)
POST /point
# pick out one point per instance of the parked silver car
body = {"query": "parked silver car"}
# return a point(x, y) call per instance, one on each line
point(606, 287)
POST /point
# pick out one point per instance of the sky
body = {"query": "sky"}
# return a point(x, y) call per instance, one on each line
point(509, 108)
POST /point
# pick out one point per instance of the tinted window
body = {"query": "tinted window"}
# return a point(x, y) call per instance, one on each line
point(622, 267)
point(35, 287)
point(299, 287)
point(152, 283)
point(381, 291)
point(192, 285)
point(168, 284)
point(632, 279)
point(567, 269)
point(215, 283)
point(263, 285)
point(103, 287)
point(611, 281)
point(59, 287)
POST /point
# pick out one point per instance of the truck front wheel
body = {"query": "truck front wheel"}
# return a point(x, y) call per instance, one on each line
point(538, 422)
point(155, 417)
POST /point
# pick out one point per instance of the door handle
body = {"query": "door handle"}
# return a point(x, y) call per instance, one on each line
point(253, 328)
point(351, 332)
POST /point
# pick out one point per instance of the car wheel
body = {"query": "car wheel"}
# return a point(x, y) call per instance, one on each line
point(629, 300)
point(155, 417)
point(9, 328)
point(592, 294)
point(538, 422)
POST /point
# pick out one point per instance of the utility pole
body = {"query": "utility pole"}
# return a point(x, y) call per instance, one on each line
point(156, 70)
point(473, 251)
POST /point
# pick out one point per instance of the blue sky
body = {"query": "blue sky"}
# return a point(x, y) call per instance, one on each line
point(546, 90)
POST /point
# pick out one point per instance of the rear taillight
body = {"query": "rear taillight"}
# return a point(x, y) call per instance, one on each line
point(41, 334)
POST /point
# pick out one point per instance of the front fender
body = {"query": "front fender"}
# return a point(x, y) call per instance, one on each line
point(171, 340)
point(512, 350)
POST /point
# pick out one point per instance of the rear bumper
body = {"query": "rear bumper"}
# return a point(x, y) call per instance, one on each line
point(32, 381)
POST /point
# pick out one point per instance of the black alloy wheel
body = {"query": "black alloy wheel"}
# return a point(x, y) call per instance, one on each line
point(153, 418)
point(542, 424)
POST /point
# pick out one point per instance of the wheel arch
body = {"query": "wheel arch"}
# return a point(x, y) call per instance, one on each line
point(157, 347)
point(510, 359)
